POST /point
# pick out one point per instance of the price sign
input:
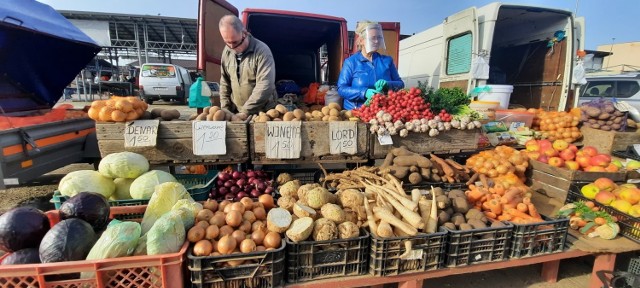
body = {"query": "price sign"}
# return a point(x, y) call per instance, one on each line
point(385, 139)
point(209, 137)
point(343, 137)
point(141, 133)
point(283, 140)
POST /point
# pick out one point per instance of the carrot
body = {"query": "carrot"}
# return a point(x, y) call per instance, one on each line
point(509, 195)
point(508, 206)
point(490, 214)
point(533, 211)
point(472, 180)
point(474, 195)
point(484, 180)
point(517, 213)
point(495, 206)
point(526, 200)
point(446, 168)
point(504, 217)
point(522, 207)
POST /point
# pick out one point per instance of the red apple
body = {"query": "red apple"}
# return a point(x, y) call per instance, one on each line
point(572, 165)
point(612, 168)
point(605, 184)
point(590, 150)
point(600, 160)
point(544, 144)
point(583, 161)
point(543, 158)
point(605, 197)
point(567, 155)
point(573, 148)
point(556, 161)
point(532, 145)
point(550, 152)
point(533, 155)
point(560, 145)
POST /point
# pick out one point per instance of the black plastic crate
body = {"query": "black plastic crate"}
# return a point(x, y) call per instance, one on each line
point(544, 237)
point(261, 269)
point(629, 225)
point(429, 254)
point(313, 260)
point(630, 153)
point(305, 175)
point(476, 246)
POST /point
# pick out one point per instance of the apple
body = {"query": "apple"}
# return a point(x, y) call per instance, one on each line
point(627, 185)
point(631, 195)
point(621, 205)
point(533, 155)
point(634, 211)
point(550, 152)
point(590, 150)
point(583, 161)
point(544, 144)
point(605, 184)
point(617, 163)
point(611, 168)
point(567, 155)
point(560, 145)
point(556, 162)
point(572, 165)
point(600, 160)
point(605, 197)
point(573, 148)
point(594, 169)
point(532, 145)
point(633, 165)
point(589, 191)
point(543, 158)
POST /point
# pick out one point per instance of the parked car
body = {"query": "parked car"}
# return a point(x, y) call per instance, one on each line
point(624, 87)
point(160, 81)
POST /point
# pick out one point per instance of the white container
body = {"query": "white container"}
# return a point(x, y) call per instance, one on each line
point(497, 93)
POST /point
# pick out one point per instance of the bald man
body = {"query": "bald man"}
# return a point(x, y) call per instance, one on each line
point(248, 71)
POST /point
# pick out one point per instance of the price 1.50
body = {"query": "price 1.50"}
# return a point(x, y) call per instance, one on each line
point(139, 140)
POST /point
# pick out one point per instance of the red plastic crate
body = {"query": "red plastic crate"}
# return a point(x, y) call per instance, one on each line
point(126, 272)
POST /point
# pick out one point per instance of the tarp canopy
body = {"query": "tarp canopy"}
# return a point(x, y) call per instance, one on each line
point(41, 52)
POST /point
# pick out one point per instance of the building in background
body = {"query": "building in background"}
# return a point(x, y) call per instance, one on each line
point(625, 57)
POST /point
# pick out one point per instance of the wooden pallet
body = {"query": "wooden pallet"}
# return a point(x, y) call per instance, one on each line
point(448, 142)
point(314, 145)
point(175, 144)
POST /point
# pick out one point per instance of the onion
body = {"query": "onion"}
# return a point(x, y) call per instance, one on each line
point(234, 218)
point(195, 234)
point(211, 205)
point(260, 186)
point(212, 232)
point(251, 174)
point(236, 175)
point(267, 201)
point(261, 174)
point(224, 176)
point(269, 190)
point(238, 206)
point(226, 245)
point(247, 189)
point(241, 182)
point(229, 197)
point(245, 226)
point(247, 245)
point(225, 230)
point(234, 189)
point(204, 248)
point(255, 193)
point(218, 220)
point(219, 183)
point(239, 235)
point(223, 191)
point(272, 240)
point(223, 204)
point(258, 236)
point(213, 194)
point(242, 195)
point(229, 183)
point(251, 180)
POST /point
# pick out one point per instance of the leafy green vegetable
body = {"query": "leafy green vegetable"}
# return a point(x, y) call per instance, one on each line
point(449, 99)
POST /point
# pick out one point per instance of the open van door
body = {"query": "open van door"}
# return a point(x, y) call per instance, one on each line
point(210, 47)
point(578, 36)
point(460, 33)
point(391, 33)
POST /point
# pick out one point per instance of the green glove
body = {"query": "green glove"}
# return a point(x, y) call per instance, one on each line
point(381, 85)
point(369, 95)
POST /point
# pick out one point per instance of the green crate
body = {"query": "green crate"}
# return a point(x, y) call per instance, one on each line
point(195, 184)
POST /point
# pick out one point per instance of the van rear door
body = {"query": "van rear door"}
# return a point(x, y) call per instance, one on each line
point(210, 47)
point(460, 33)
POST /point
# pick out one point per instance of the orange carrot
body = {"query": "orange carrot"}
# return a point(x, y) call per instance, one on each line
point(526, 200)
point(474, 195)
point(533, 211)
point(495, 206)
point(522, 207)
point(490, 214)
point(517, 213)
point(504, 217)
point(508, 206)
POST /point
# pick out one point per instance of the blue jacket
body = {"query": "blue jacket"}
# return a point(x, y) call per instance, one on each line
point(359, 74)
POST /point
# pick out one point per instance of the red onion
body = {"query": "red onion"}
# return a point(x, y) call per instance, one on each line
point(251, 180)
point(223, 191)
point(219, 183)
point(234, 189)
point(229, 183)
point(241, 182)
point(260, 174)
point(224, 176)
point(260, 186)
point(213, 194)
point(255, 193)
point(242, 195)
point(236, 175)
point(251, 174)
point(269, 190)
point(229, 197)
point(247, 188)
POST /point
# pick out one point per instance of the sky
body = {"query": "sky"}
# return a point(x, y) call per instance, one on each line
point(605, 20)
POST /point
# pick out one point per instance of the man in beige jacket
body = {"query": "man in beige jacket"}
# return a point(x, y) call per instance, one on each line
point(248, 71)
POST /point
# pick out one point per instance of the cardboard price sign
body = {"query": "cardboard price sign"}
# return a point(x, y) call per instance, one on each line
point(141, 133)
point(209, 137)
point(343, 137)
point(283, 140)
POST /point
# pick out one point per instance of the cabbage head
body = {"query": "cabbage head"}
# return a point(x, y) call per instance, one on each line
point(162, 200)
point(122, 189)
point(119, 240)
point(167, 235)
point(143, 186)
point(191, 209)
point(141, 248)
point(86, 181)
point(123, 165)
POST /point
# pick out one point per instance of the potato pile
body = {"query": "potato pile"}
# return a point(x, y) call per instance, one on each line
point(556, 125)
point(215, 113)
point(455, 212)
point(331, 112)
point(415, 168)
point(318, 214)
point(118, 109)
point(165, 114)
point(227, 228)
point(602, 114)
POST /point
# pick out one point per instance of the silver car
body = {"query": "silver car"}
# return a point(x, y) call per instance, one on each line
point(623, 87)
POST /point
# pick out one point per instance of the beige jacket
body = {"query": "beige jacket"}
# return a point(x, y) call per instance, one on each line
point(255, 91)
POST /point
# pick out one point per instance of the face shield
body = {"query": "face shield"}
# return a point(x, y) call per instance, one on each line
point(374, 40)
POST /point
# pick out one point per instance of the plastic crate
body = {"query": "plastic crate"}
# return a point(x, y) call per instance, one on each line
point(305, 175)
point(629, 225)
point(136, 271)
point(312, 260)
point(539, 238)
point(427, 185)
point(198, 186)
point(429, 254)
point(265, 269)
point(476, 246)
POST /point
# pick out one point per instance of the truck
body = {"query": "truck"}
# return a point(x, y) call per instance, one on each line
point(45, 52)
point(532, 48)
point(297, 52)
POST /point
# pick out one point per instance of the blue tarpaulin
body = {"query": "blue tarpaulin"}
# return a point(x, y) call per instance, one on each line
point(41, 52)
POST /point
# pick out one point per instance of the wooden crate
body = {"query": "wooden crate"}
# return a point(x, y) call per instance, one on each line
point(555, 182)
point(314, 138)
point(174, 143)
point(452, 141)
point(608, 141)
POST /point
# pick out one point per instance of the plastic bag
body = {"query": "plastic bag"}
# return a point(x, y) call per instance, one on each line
point(162, 200)
point(119, 240)
point(167, 234)
point(579, 74)
point(196, 100)
point(480, 68)
point(590, 117)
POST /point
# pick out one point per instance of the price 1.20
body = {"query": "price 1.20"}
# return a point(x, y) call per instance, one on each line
point(208, 137)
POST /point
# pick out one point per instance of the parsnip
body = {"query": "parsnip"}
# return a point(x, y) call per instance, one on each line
point(385, 230)
point(432, 224)
point(412, 217)
point(415, 196)
point(371, 221)
point(389, 218)
point(425, 212)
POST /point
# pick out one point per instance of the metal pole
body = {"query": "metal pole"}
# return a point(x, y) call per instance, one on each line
point(610, 50)
point(146, 39)
point(135, 28)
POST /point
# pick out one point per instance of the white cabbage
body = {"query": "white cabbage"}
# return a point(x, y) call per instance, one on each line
point(143, 186)
point(123, 165)
point(86, 181)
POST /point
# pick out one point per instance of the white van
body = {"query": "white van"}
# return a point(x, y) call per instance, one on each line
point(531, 48)
point(160, 81)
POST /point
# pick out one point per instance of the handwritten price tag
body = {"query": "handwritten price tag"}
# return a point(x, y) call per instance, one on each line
point(283, 140)
point(209, 137)
point(343, 137)
point(141, 133)
point(385, 139)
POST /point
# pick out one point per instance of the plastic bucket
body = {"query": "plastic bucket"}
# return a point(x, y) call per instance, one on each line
point(499, 93)
point(487, 109)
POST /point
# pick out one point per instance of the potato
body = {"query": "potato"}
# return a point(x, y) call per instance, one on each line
point(450, 226)
point(300, 229)
point(333, 118)
point(288, 116)
point(242, 116)
point(278, 220)
point(213, 110)
point(209, 117)
point(348, 230)
point(299, 114)
point(147, 115)
point(601, 122)
point(604, 116)
point(325, 229)
point(273, 113)
point(605, 128)
point(350, 198)
point(465, 226)
point(326, 110)
point(290, 189)
point(202, 117)
point(155, 112)
point(615, 126)
point(335, 106)
point(334, 112)
point(476, 224)
point(332, 212)
point(593, 112)
point(219, 116)
point(460, 204)
point(281, 109)
point(262, 118)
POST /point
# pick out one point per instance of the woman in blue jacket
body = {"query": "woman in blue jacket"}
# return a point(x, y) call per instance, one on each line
point(366, 73)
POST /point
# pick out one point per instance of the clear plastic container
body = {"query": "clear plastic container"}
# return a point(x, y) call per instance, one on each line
point(486, 108)
point(510, 116)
